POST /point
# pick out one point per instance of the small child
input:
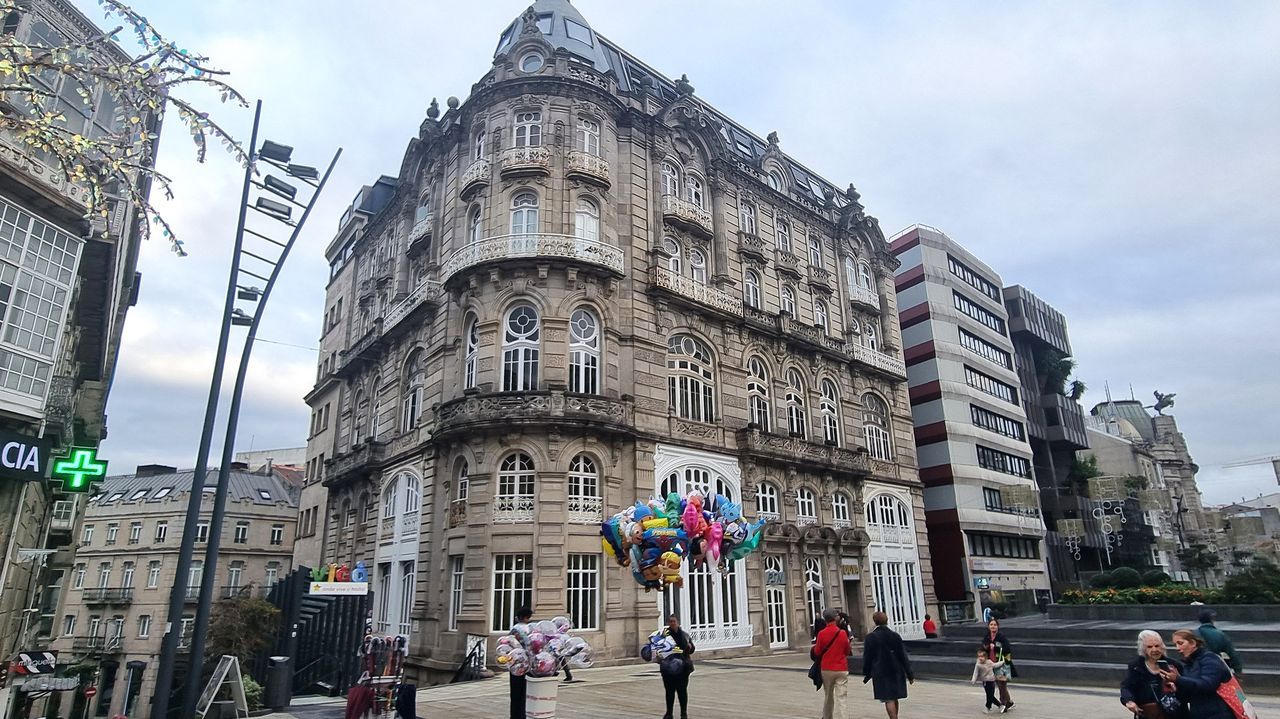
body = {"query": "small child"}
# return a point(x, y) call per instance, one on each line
point(984, 670)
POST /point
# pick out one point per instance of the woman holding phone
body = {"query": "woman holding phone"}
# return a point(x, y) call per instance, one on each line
point(1144, 691)
point(1198, 682)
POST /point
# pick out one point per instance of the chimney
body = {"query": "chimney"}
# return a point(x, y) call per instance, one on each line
point(151, 470)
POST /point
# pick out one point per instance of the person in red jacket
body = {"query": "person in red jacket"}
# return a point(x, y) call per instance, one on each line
point(832, 649)
point(930, 629)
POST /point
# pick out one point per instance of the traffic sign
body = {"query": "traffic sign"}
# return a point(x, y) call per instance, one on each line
point(79, 469)
point(90, 692)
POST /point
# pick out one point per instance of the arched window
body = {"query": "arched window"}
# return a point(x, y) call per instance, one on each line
point(782, 235)
point(473, 347)
point(424, 206)
point(672, 248)
point(670, 178)
point(528, 129)
point(796, 419)
point(830, 407)
point(866, 280)
point(524, 214)
point(775, 180)
point(747, 218)
point(477, 146)
point(694, 190)
point(751, 288)
point(840, 511)
point(514, 499)
point(850, 273)
point(873, 340)
point(888, 511)
point(814, 592)
point(789, 300)
point(584, 352)
point(806, 507)
point(389, 494)
point(698, 266)
point(412, 494)
point(815, 249)
point(415, 379)
point(588, 136)
point(473, 225)
point(373, 406)
point(875, 427)
point(767, 501)
point(758, 391)
point(690, 379)
point(359, 416)
point(461, 490)
point(584, 506)
point(520, 349)
point(820, 314)
point(10, 24)
point(586, 220)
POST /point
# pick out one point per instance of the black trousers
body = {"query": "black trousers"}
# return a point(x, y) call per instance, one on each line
point(991, 694)
point(518, 688)
point(676, 684)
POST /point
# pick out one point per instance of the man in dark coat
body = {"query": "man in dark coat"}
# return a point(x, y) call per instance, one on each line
point(885, 665)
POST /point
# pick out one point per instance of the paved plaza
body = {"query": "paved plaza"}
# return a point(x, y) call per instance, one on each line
point(752, 688)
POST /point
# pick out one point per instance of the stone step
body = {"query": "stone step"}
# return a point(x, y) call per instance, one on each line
point(1061, 672)
point(1082, 649)
point(1257, 636)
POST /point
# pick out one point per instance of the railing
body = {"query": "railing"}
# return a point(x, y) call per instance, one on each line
point(192, 594)
point(475, 176)
point(503, 247)
point(235, 591)
point(585, 510)
point(525, 159)
point(805, 521)
point(428, 291)
point(697, 291)
point(787, 262)
point(105, 595)
point(510, 510)
point(338, 468)
point(879, 360)
point(841, 523)
point(865, 297)
point(553, 406)
point(112, 643)
point(771, 516)
point(800, 451)
point(367, 341)
point(421, 227)
point(587, 166)
point(749, 244)
point(890, 534)
point(819, 276)
point(686, 213)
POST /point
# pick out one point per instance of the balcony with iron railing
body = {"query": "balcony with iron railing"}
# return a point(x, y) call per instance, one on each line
point(423, 224)
point(191, 594)
point(513, 509)
point(801, 452)
point(688, 215)
point(585, 510)
point(518, 161)
point(864, 298)
point(426, 294)
point(751, 246)
point(787, 263)
point(108, 595)
point(476, 176)
point(699, 292)
point(113, 644)
point(359, 462)
point(844, 523)
point(819, 279)
point(362, 352)
point(877, 360)
point(586, 166)
point(548, 246)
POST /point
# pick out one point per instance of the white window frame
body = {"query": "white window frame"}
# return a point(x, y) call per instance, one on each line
point(788, 300)
point(162, 532)
point(153, 574)
point(524, 213)
point(241, 533)
point(806, 507)
point(815, 249)
point(474, 222)
point(875, 427)
point(697, 266)
point(517, 487)
point(415, 379)
point(758, 392)
point(695, 191)
point(782, 235)
point(527, 129)
point(820, 316)
point(586, 220)
point(521, 349)
point(672, 249)
point(587, 136)
point(840, 516)
point(582, 587)
point(767, 501)
point(829, 405)
point(747, 218)
point(797, 411)
point(584, 352)
point(456, 578)
point(471, 361)
point(814, 590)
point(670, 173)
point(751, 288)
point(691, 379)
point(511, 587)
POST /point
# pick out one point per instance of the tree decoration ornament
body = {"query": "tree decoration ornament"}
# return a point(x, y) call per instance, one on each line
point(113, 159)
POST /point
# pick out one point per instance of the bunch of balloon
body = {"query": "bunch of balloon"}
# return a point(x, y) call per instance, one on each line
point(536, 649)
point(655, 538)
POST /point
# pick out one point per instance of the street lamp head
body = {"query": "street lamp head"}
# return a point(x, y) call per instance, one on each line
point(280, 187)
point(241, 318)
point(275, 152)
point(303, 172)
point(278, 210)
point(252, 294)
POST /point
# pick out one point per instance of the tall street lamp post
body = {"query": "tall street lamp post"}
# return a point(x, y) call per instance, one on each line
point(277, 156)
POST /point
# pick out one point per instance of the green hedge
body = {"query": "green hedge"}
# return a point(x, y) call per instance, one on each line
point(1167, 594)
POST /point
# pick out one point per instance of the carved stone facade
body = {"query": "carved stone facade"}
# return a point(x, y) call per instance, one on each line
point(594, 342)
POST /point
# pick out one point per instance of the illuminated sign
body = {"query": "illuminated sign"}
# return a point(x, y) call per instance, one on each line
point(23, 457)
point(80, 468)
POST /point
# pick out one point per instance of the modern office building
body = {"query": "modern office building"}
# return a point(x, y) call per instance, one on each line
point(586, 287)
point(986, 534)
point(66, 285)
point(115, 599)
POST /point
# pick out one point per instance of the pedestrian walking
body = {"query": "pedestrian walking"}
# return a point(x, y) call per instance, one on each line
point(984, 673)
point(885, 664)
point(676, 667)
point(930, 628)
point(831, 650)
point(518, 685)
point(1217, 641)
point(998, 650)
point(1143, 691)
point(1199, 681)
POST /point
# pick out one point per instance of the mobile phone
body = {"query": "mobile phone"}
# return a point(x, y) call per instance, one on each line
point(1163, 664)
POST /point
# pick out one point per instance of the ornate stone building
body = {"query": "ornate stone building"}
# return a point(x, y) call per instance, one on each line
point(586, 287)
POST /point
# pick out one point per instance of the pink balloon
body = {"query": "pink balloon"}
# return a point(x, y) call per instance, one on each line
point(715, 534)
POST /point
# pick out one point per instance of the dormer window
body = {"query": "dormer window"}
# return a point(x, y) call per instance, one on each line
point(578, 31)
point(775, 180)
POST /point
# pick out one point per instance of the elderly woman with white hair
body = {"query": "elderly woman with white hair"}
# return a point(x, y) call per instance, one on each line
point(1143, 691)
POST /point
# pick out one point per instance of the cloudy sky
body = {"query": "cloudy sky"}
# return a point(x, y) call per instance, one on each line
point(1121, 160)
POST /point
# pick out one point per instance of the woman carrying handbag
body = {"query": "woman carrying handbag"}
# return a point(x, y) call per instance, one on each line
point(831, 660)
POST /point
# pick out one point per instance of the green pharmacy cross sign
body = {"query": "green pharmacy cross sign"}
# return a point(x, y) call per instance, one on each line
point(79, 469)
